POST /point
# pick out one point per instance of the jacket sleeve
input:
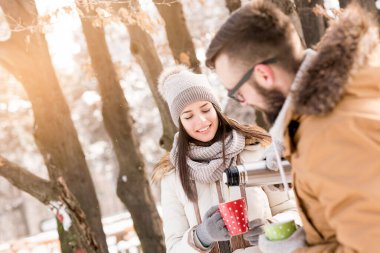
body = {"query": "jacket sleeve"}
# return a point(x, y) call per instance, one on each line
point(179, 236)
point(283, 207)
point(346, 182)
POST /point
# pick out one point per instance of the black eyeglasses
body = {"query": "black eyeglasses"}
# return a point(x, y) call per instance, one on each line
point(232, 93)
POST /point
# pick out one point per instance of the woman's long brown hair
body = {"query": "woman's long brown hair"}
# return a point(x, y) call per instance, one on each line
point(226, 125)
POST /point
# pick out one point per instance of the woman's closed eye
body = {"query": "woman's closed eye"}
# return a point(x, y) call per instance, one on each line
point(188, 116)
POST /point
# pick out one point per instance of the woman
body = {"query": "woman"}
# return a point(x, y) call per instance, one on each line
point(206, 144)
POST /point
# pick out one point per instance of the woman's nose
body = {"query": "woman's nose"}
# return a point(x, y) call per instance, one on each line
point(202, 118)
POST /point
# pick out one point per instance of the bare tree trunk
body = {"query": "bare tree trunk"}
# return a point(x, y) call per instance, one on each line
point(367, 4)
point(179, 37)
point(27, 57)
point(233, 5)
point(313, 26)
point(133, 187)
point(289, 8)
point(144, 51)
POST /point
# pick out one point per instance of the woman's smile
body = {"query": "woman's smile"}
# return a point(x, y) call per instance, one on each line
point(204, 130)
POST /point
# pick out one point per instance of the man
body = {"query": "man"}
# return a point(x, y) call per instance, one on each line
point(326, 104)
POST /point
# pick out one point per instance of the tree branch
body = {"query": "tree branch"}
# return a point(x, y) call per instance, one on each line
point(179, 38)
point(23, 11)
point(13, 52)
point(26, 181)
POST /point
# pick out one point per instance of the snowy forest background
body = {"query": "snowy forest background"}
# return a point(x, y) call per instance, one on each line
point(81, 123)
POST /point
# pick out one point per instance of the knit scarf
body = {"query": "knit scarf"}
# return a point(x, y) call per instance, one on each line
point(205, 164)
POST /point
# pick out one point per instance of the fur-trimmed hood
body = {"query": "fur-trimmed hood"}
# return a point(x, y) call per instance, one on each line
point(347, 46)
point(163, 167)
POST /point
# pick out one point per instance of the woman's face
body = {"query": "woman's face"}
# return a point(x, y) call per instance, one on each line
point(200, 120)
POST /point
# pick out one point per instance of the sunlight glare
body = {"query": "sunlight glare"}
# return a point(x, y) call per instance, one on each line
point(62, 41)
point(90, 97)
point(5, 32)
point(17, 104)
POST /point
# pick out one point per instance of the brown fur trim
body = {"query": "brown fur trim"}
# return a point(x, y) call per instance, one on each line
point(251, 140)
point(163, 167)
point(342, 50)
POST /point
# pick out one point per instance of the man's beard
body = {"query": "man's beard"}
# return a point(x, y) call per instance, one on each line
point(274, 100)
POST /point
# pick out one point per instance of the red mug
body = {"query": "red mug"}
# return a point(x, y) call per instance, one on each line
point(234, 214)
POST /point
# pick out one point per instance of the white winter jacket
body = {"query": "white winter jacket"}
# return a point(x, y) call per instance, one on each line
point(179, 217)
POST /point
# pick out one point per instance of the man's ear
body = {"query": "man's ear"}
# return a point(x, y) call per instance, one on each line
point(264, 76)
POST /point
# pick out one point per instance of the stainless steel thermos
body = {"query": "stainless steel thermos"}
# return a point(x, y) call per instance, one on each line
point(255, 174)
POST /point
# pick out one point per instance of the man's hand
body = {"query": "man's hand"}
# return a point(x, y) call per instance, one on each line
point(295, 241)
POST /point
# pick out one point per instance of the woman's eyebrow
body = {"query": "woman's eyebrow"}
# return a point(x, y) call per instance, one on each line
point(204, 105)
point(191, 110)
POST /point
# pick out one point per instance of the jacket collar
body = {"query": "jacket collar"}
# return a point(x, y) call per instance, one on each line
point(348, 45)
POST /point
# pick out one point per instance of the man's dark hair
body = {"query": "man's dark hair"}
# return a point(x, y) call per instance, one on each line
point(254, 33)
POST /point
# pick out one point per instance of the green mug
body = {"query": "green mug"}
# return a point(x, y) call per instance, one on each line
point(280, 230)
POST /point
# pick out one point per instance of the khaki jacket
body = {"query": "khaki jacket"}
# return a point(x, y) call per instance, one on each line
point(332, 139)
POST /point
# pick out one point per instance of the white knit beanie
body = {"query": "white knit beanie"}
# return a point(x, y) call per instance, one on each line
point(180, 87)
